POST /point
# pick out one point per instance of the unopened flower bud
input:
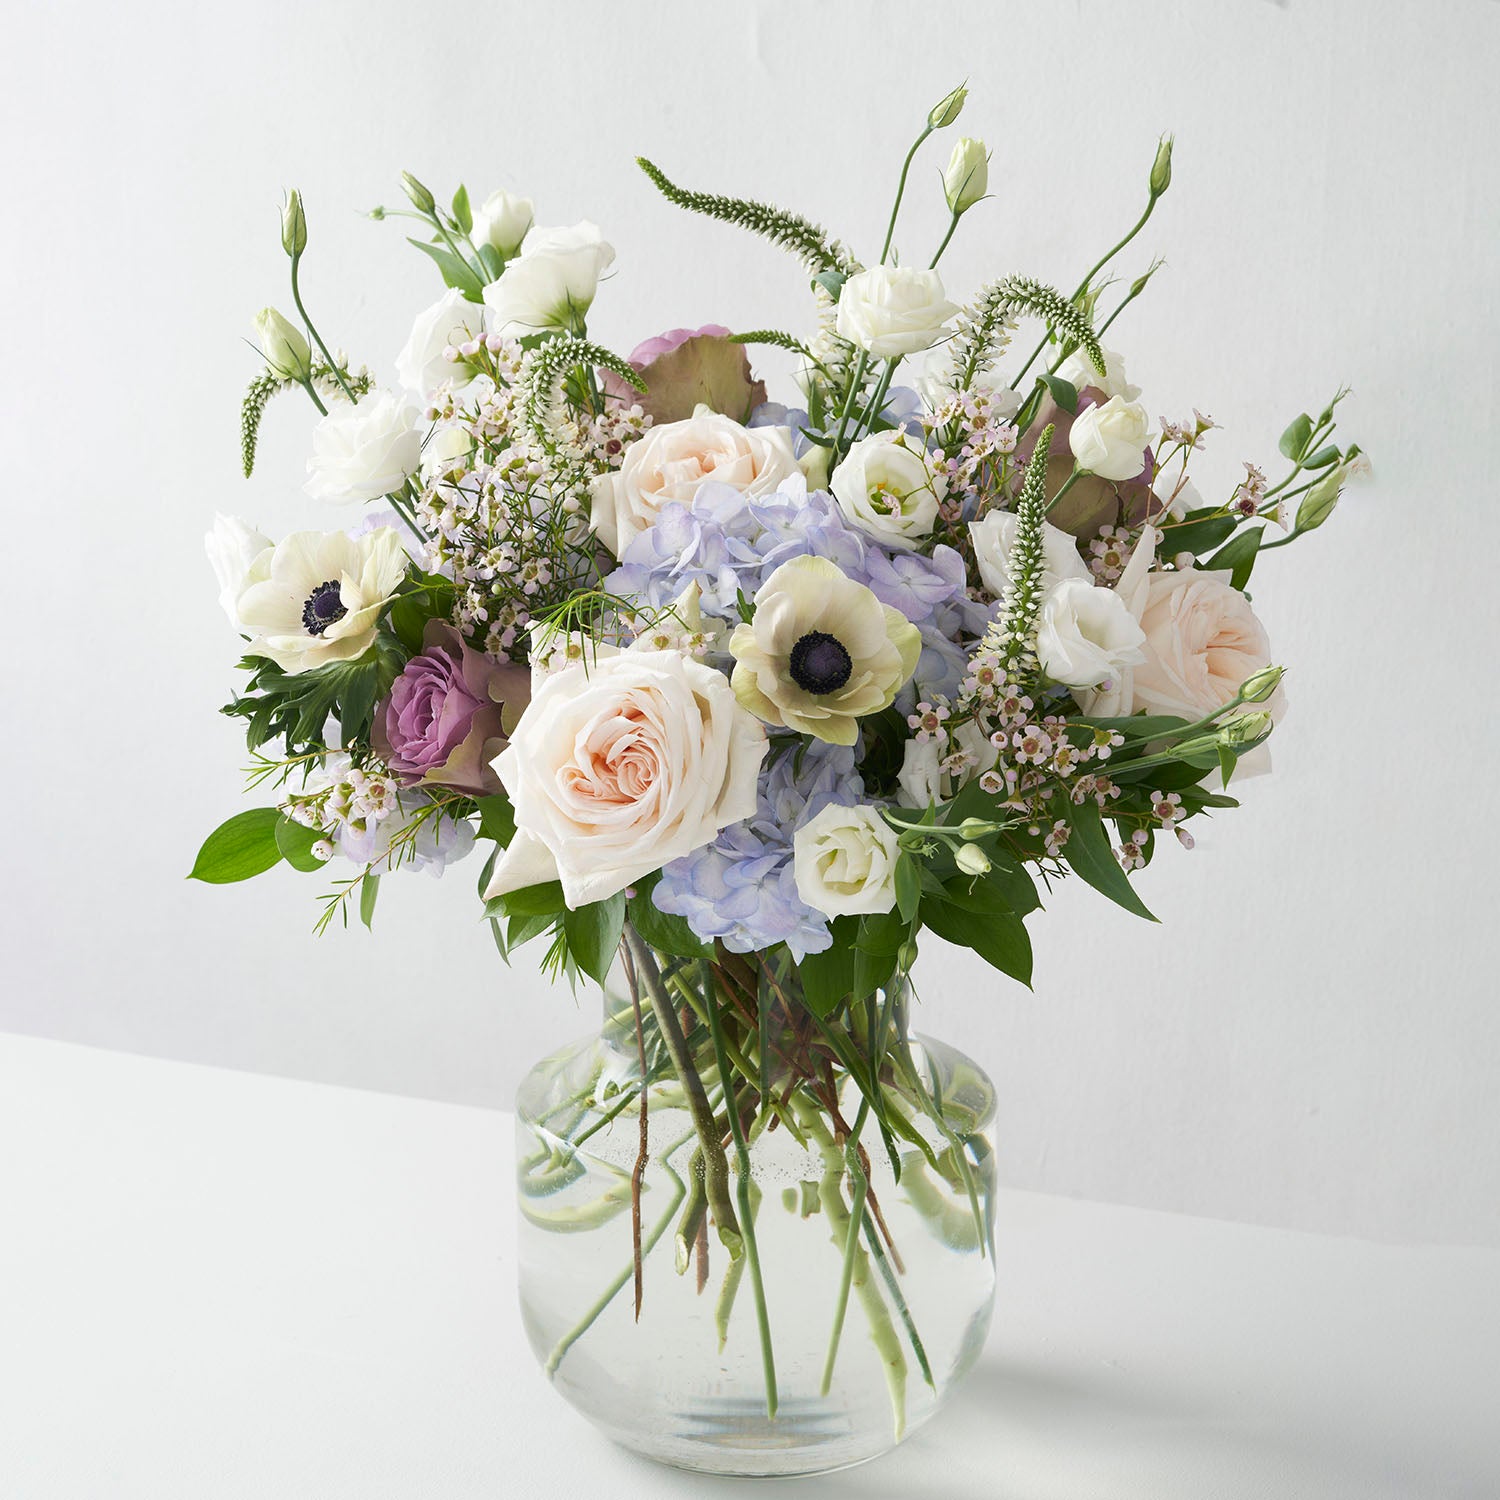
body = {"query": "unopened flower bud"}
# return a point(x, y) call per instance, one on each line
point(971, 859)
point(1244, 729)
point(420, 196)
point(377, 212)
point(1259, 686)
point(975, 828)
point(968, 176)
point(293, 225)
point(1319, 502)
point(948, 109)
point(284, 347)
point(1161, 168)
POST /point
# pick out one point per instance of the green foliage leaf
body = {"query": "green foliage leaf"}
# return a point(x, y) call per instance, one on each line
point(497, 819)
point(462, 213)
point(828, 978)
point(1295, 439)
point(457, 273)
point(1064, 392)
point(295, 841)
point(999, 938)
point(369, 890)
point(1196, 535)
point(1238, 555)
point(491, 260)
point(521, 929)
point(1091, 856)
point(908, 886)
point(664, 931)
point(593, 934)
point(243, 846)
point(543, 899)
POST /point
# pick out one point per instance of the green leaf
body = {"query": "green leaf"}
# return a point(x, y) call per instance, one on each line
point(593, 934)
point(544, 899)
point(409, 620)
point(1238, 555)
point(1064, 392)
point(456, 273)
point(1141, 726)
point(492, 261)
point(871, 971)
point(461, 210)
point(665, 931)
point(1089, 852)
point(999, 938)
point(882, 933)
point(1325, 455)
point(497, 819)
point(1227, 759)
point(908, 886)
point(828, 977)
point(1295, 439)
point(369, 890)
point(295, 842)
point(243, 846)
point(1196, 536)
point(522, 929)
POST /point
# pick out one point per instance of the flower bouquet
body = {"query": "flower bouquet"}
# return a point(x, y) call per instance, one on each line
point(740, 701)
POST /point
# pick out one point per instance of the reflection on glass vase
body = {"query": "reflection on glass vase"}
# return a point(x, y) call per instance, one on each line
point(776, 1260)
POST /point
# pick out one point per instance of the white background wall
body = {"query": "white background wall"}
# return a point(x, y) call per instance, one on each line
point(1310, 1038)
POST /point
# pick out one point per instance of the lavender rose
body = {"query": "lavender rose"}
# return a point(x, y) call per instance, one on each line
point(686, 366)
point(450, 714)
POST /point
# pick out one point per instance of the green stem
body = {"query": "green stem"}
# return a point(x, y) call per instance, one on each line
point(317, 400)
point(890, 231)
point(952, 225)
point(1109, 255)
point(854, 386)
point(716, 1167)
point(851, 1243)
point(747, 1217)
point(1068, 484)
point(333, 364)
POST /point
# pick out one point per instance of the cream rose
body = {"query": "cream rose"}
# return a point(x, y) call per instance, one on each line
point(844, 861)
point(670, 463)
point(452, 319)
point(886, 486)
point(621, 765)
point(365, 451)
point(994, 536)
point(1085, 635)
point(893, 310)
point(1110, 440)
point(551, 284)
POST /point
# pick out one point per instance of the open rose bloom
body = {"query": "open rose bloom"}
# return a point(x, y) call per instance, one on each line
point(741, 701)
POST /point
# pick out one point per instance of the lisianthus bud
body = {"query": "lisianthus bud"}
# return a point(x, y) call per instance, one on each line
point(1244, 729)
point(293, 225)
point(420, 196)
point(971, 859)
point(968, 176)
point(1318, 503)
point(975, 828)
point(1259, 686)
point(947, 109)
point(1161, 168)
point(285, 349)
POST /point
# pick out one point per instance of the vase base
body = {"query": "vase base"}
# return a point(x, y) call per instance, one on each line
point(736, 1440)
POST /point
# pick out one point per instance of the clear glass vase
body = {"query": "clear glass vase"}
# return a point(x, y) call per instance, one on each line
point(785, 1290)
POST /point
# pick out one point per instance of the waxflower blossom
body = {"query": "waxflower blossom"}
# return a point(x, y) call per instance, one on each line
point(821, 652)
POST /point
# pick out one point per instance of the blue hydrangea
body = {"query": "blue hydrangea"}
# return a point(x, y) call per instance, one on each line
point(740, 889)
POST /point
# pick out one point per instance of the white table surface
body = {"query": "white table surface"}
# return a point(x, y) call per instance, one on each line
point(215, 1285)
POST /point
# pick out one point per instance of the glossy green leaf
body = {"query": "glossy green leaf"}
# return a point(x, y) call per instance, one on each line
point(456, 273)
point(295, 842)
point(665, 931)
point(369, 891)
point(999, 938)
point(243, 846)
point(593, 934)
point(497, 819)
point(462, 213)
point(1092, 857)
point(1295, 439)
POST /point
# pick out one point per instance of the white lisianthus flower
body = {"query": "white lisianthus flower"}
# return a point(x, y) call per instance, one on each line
point(967, 178)
point(232, 547)
point(1085, 635)
point(551, 284)
point(451, 320)
point(285, 349)
point(1110, 440)
point(821, 652)
point(993, 538)
point(1078, 370)
point(317, 596)
point(844, 861)
point(670, 462)
point(923, 782)
point(893, 310)
point(887, 487)
point(364, 451)
point(445, 449)
point(503, 221)
point(618, 767)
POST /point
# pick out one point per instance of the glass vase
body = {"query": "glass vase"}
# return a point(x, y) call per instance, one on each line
point(776, 1258)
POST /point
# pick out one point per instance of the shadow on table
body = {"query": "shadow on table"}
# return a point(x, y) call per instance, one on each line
point(1023, 1432)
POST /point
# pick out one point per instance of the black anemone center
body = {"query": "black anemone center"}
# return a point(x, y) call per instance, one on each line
point(323, 608)
point(820, 663)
